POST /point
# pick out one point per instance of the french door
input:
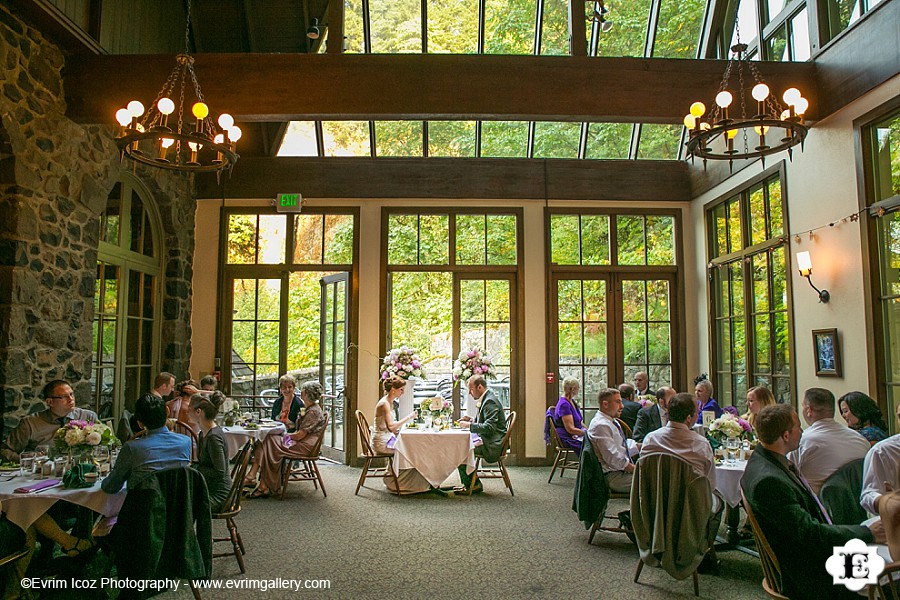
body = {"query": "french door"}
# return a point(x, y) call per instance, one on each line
point(333, 316)
point(606, 327)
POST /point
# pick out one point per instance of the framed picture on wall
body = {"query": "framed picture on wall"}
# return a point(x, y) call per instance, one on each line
point(827, 351)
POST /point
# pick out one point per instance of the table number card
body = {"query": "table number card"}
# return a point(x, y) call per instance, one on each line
point(708, 417)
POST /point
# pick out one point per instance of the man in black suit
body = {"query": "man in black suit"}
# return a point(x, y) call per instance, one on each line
point(642, 384)
point(651, 418)
point(630, 408)
point(789, 514)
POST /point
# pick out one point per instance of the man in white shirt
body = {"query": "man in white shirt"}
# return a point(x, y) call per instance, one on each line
point(610, 445)
point(826, 445)
point(880, 471)
point(678, 438)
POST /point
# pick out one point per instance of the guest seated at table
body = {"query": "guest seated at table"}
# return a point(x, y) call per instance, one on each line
point(630, 408)
point(758, 398)
point(880, 471)
point(863, 415)
point(826, 445)
point(489, 424)
point(789, 514)
point(213, 454)
point(179, 407)
point(267, 461)
point(40, 428)
point(410, 480)
point(613, 449)
point(287, 408)
point(209, 383)
point(157, 450)
point(567, 418)
point(652, 417)
point(703, 391)
point(678, 438)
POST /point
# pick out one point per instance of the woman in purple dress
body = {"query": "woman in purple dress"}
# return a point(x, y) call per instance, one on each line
point(567, 417)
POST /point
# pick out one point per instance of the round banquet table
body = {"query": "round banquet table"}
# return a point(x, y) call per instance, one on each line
point(236, 436)
point(434, 454)
point(24, 509)
point(728, 485)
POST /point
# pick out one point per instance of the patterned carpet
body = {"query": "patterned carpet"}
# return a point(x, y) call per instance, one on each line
point(493, 545)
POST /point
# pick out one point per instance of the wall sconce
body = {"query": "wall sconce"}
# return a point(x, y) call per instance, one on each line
point(805, 265)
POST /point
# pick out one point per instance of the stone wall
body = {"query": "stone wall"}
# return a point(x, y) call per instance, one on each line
point(55, 176)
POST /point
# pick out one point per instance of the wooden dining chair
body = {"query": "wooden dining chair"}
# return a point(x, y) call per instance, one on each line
point(185, 429)
point(566, 458)
point(302, 467)
point(370, 455)
point(499, 471)
point(888, 585)
point(232, 507)
point(771, 582)
point(625, 428)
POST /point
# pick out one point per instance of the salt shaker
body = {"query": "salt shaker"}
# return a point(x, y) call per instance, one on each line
point(47, 468)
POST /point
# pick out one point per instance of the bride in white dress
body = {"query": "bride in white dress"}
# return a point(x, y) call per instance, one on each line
point(386, 427)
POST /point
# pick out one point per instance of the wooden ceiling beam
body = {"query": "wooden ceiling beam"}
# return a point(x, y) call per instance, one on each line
point(281, 87)
point(618, 180)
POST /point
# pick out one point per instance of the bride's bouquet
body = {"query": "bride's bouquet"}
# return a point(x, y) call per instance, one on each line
point(473, 362)
point(402, 362)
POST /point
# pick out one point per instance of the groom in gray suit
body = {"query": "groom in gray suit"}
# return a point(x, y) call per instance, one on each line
point(653, 417)
point(490, 425)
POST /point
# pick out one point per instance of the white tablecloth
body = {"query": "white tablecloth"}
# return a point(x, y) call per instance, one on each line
point(236, 436)
point(728, 481)
point(434, 454)
point(24, 509)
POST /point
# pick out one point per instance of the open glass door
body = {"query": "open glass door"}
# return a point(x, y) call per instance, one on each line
point(333, 358)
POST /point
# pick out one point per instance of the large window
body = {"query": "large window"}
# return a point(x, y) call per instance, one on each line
point(883, 175)
point(751, 343)
point(614, 281)
point(126, 300)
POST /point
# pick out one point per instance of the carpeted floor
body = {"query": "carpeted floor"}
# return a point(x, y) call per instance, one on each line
point(493, 545)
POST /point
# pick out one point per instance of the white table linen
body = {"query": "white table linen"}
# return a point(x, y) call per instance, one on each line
point(728, 481)
point(434, 454)
point(24, 509)
point(236, 436)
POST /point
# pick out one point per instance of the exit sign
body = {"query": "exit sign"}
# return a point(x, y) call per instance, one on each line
point(288, 203)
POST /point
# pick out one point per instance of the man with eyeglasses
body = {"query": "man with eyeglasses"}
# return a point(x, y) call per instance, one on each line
point(39, 428)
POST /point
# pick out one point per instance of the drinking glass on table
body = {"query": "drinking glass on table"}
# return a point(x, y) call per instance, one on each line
point(26, 462)
point(731, 447)
point(101, 455)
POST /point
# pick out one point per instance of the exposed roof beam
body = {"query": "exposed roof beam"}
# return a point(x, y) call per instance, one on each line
point(275, 87)
point(454, 178)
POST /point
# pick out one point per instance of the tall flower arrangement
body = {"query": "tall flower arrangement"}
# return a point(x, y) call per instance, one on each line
point(473, 362)
point(730, 426)
point(402, 362)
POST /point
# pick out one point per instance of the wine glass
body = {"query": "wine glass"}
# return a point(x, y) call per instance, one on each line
point(101, 455)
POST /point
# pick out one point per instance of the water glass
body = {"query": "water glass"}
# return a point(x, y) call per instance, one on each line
point(26, 462)
point(101, 455)
point(731, 446)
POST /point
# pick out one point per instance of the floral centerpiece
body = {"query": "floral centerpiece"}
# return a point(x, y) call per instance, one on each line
point(232, 411)
point(439, 408)
point(79, 438)
point(473, 362)
point(645, 401)
point(401, 362)
point(730, 426)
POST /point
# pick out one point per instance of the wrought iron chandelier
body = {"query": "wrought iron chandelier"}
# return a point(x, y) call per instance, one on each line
point(195, 146)
point(723, 136)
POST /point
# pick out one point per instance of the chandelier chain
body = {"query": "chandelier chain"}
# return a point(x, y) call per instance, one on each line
point(187, 28)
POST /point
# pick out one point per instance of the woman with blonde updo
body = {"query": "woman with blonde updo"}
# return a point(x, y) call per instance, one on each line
point(213, 454)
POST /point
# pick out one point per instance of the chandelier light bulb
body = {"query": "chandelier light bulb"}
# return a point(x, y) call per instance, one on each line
point(226, 121)
point(200, 110)
point(194, 146)
point(760, 92)
point(123, 116)
point(234, 134)
point(219, 139)
point(723, 99)
point(704, 126)
point(167, 142)
point(791, 96)
point(698, 109)
point(786, 114)
point(135, 108)
point(761, 129)
point(801, 106)
point(165, 106)
point(139, 127)
point(731, 133)
point(690, 121)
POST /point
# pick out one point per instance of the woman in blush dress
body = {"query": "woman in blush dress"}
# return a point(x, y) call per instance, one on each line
point(757, 398)
point(213, 454)
point(567, 417)
point(270, 455)
point(863, 415)
point(386, 428)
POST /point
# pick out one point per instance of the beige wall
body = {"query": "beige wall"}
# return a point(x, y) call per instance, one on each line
point(821, 187)
point(535, 307)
